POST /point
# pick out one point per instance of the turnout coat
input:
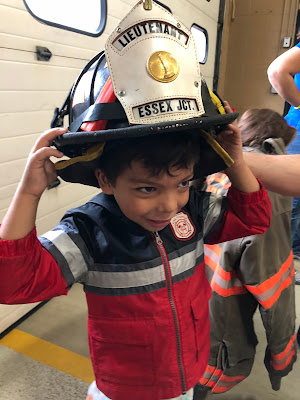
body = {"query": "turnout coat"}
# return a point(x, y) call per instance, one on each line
point(245, 274)
point(147, 293)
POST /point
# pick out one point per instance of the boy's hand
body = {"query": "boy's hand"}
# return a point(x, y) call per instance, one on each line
point(38, 174)
point(39, 170)
point(230, 139)
point(239, 173)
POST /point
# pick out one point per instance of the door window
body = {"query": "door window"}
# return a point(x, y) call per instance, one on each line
point(87, 17)
point(201, 39)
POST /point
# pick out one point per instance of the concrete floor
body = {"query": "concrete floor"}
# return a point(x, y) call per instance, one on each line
point(62, 321)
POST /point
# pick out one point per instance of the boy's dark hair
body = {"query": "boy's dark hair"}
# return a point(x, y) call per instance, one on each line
point(158, 153)
point(257, 125)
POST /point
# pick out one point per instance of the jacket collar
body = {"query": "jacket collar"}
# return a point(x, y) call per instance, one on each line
point(108, 202)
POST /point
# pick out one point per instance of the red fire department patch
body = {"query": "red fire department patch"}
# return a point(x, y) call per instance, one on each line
point(182, 226)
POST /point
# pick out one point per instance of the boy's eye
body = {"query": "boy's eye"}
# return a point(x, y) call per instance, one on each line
point(147, 189)
point(184, 184)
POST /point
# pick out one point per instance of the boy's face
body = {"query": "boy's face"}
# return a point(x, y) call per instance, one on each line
point(150, 201)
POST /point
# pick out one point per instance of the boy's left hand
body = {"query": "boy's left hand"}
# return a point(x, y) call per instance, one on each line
point(231, 140)
point(239, 173)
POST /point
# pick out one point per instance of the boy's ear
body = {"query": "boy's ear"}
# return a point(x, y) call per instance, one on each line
point(104, 183)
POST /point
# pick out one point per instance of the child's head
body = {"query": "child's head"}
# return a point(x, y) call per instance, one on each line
point(149, 177)
point(257, 125)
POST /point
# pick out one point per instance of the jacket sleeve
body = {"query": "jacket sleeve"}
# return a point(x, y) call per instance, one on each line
point(28, 272)
point(240, 215)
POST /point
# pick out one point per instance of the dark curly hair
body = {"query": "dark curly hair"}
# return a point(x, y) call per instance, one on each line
point(158, 153)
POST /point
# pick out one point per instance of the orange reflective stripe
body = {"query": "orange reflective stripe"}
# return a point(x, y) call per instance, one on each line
point(217, 381)
point(210, 263)
point(286, 283)
point(225, 275)
point(269, 283)
point(282, 366)
point(210, 376)
point(227, 382)
point(203, 381)
point(281, 355)
point(215, 248)
point(226, 378)
point(210, 384)
point(210, 369)
point(234, 290)
point(224, 283)
point(218, 372)
point(281, 360)
point(214, 378)
point(220, 389)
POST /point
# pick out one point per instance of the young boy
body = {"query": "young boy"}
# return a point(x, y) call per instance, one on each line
point(137, 247)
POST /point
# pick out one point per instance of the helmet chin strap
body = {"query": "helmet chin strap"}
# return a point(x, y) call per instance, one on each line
point(91, 154)
point(217, 148)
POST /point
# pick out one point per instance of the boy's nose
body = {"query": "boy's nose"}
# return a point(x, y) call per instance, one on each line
point(167, 204)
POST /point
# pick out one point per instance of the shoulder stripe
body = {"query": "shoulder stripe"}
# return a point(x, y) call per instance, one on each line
point(60, 259)
point(69, 250)
point(214, 208)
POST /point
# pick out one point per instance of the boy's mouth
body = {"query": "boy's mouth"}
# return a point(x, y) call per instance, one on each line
point(158, 223)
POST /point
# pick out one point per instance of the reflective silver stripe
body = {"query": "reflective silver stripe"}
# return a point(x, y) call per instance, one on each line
point(215, 207)
point(235, 282)
point(69, 250)
point(207, 375)
point(270, 292)
point(186, 261)
point(223, 283)
point(283, 360)
point(212, 255)
point(143, 277)
point(125, 279)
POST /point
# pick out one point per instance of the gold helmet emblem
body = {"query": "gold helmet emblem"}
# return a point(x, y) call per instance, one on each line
point(162, 66)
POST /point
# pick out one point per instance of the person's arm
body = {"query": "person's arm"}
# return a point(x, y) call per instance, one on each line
point(280, 174)
point(281, 74)
point(39, 172)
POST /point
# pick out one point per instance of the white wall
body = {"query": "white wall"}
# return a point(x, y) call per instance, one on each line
point(29, 92)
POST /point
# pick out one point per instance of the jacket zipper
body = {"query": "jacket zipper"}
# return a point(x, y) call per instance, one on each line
point(166, 264)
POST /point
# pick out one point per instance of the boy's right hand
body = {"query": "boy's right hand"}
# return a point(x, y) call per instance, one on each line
point(39, 170)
